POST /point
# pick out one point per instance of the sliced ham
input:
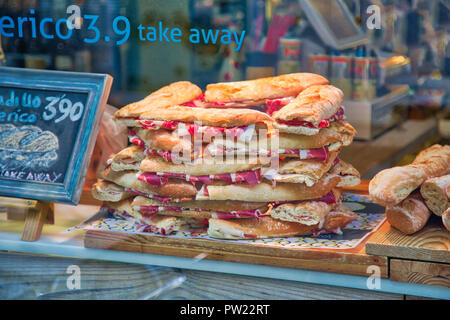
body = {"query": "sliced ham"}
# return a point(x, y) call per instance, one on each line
point(160, 178)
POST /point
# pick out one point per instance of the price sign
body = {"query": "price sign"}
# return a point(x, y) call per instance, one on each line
point(49, 122)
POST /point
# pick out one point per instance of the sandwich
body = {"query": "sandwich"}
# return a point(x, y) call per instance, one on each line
point(293, 170)
point(110, 192)
point(350, 177)
point(166, 225)
point(259, 91)
point(207, 121)
point(161, 139)
point(120, 209)
point(172, 188)
point(308, 212)
point(314, 108)
point(330, 139)
point(127, 159)
point(159, 224)
point(174, 176)
point(311, 171)
point(268, 227)
point(266, 192)
point(168, 109)
point(201, 209)
point(156, 171)
point(176, 93)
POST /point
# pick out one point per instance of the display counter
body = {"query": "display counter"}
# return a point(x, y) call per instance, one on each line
point(175, 275)
point(210, 149)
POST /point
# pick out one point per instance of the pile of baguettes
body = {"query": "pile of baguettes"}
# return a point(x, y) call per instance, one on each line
point(411, 193)
point(234, 199)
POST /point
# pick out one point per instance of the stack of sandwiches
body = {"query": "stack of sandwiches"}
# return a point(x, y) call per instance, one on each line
point(412, 193)
point(249, 159)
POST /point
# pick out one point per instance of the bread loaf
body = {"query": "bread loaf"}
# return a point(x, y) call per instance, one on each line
point(434, 192)
point(446, 219)
point(410, 215)
point(390, 186)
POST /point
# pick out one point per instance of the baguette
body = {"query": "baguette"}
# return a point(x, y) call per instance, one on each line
point(198, 167)
point(161, 224)
point(268, 227)
point(214, 117)
point(108, 191)
point(410, 215)
point(434, 192)
point(166, 225)
point(122, 209)
point(173, 94)
point(264, 192)
point(390, 186)
point(224, 206)
point(446, 219)
point(258, 91)
point(339, 133)
point(128, 159)
point(199, 213)
point(174, 188)
point(302, 171)
point(350, 177)
point(314, 104)
point(162, 139)
point(306, 212)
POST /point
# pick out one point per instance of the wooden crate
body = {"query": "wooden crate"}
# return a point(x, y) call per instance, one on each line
point(423, 257)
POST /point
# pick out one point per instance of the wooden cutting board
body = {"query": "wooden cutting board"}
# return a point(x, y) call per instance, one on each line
point(349, 261)
point(432, 243)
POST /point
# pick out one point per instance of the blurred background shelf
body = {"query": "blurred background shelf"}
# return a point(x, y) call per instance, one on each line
point(387, 150)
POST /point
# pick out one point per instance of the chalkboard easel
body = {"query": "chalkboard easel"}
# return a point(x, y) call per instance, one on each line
point(35, 213)
point(49, 122)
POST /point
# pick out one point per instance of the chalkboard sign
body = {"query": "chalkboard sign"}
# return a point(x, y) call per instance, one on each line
point(49, 122)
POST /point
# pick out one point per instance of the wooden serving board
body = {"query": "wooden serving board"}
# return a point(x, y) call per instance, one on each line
point(348, 261)
point(432, 243)
point(351, 261)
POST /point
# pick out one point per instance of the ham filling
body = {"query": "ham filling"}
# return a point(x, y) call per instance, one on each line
point(118, 214)
point(142, 227)
point(276, 104)
point(329, 198)
point(190, 129)
point(200, 102)
point(155, 197)
point(160, 178)
point(244, 133)
point(196, 103)
point(319, 153)
point(134, 139)
point(339, 115)
point(166, 155)
point(152, 210)
point(218, 150)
